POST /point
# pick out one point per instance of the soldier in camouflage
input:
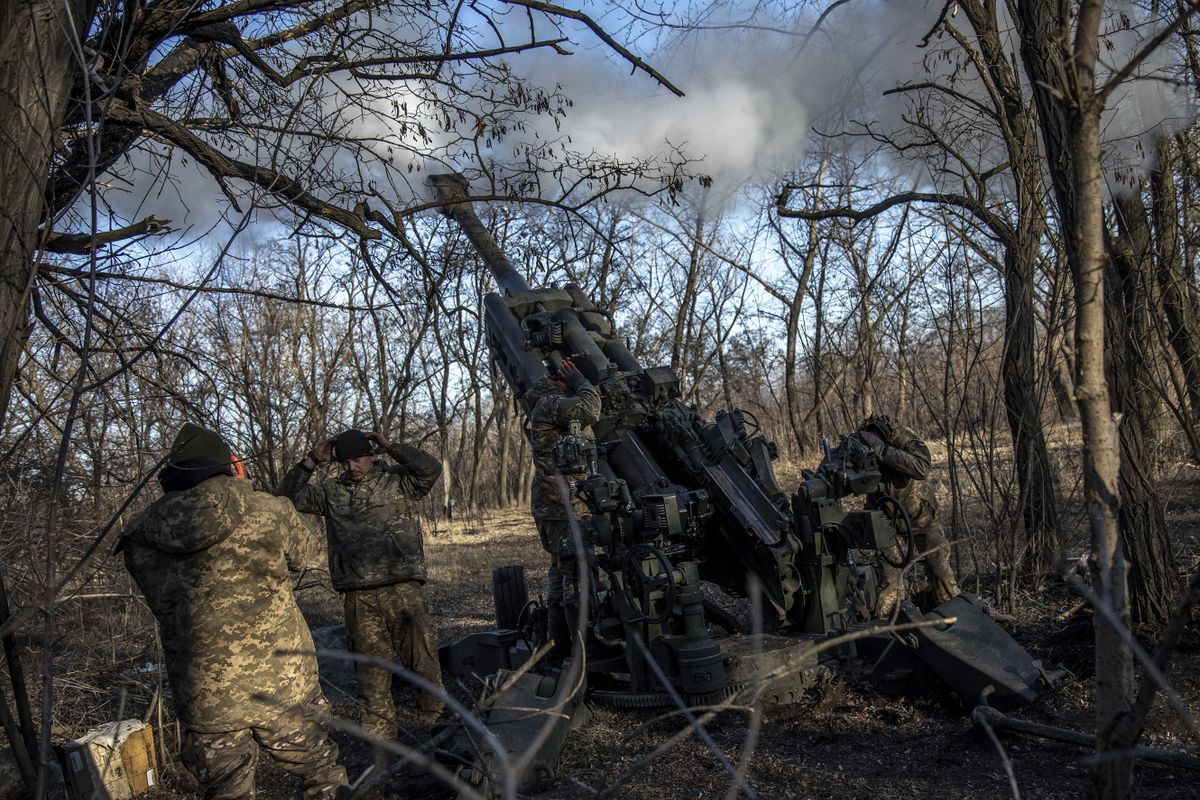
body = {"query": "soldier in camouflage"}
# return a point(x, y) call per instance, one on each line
point(212, 556)
point(904, 461)
point(377, 559)
point(554, 405)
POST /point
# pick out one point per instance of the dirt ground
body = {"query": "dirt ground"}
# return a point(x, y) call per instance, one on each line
point(848, 741)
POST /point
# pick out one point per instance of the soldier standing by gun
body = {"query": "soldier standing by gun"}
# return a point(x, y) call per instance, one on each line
point(904, 461)
point(377, 558)
point(553, 410)
point(212, 557)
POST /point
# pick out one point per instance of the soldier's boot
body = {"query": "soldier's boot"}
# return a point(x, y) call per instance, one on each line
point(941, 575)
point(560, 633)
point(889, 592)
point(376, 726)
point(429, 709)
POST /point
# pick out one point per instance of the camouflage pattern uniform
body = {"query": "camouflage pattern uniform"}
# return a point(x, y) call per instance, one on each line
point(554, 408)
point(213, 563)
point(905, 461)
point(377, 558)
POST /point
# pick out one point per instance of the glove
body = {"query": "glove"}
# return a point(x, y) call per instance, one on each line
point(872, 441)
point(880, 424)
point(570, 375)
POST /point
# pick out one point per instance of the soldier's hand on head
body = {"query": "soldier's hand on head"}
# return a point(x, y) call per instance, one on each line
point(569, 374)
point(871, 440)
point(322, 451)
point(378, 439)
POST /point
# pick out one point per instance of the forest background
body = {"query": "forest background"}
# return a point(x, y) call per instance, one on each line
point(976, 217)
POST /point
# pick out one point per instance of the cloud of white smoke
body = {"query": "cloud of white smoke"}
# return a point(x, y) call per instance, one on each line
point(756, 88)
point(752, 93)
point(757, 92)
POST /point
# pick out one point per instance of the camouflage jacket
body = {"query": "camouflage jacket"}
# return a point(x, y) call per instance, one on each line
point(547, 424)
point(371, 525)
point(213, 563)
point(905, 464)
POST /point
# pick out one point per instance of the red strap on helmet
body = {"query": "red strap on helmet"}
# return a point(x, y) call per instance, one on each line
point(239, 468)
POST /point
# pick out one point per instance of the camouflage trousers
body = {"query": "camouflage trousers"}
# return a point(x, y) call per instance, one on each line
point(927, 539)
point(383, 623)
point(224, 763)
point(562, 579)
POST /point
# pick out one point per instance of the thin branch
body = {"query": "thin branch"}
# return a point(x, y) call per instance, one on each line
point(1138, 58)
point(961, 97)
point(1166, 646)
point(86, 242)
point(189, 287)
point(222, 168)
point(600, 33)
point(988, 718)
point(982, 720)
point(997, 224)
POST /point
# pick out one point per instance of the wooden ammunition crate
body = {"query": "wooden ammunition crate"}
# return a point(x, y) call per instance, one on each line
point(112, 762)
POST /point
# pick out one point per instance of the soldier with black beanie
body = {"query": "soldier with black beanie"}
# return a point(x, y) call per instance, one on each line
point(377, 559)
point(213, 557)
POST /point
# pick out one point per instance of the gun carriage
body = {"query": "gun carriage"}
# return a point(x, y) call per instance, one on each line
point(675, 500)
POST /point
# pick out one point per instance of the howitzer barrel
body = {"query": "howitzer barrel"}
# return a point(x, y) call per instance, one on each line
point(522, 368)
point(613, 347)
point(453, 190)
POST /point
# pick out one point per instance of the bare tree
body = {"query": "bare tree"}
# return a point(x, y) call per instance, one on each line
point(1123, 507)
point(305, 109)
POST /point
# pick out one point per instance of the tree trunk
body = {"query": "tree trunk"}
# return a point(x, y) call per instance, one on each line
point(1152, 568)
point(1063, 79)
point(504, 431)
point(865, 345)
point(525, 471)
point(1022, 398)
point(1178, 299)
point(795, 305)
point(680, 341)
point(1113, 776)
point(903, 366)
point(460, 459)
point(1064, 382)
point(791, 386)
point(447, 470)
point(1066, 128)
point(816, 358)
point(1131, 252)
point(1035, 478)
point(37, 69)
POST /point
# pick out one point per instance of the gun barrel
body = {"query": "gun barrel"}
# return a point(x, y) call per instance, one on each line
point(452, 190)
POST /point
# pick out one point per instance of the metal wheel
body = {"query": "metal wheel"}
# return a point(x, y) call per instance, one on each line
point(644, 585)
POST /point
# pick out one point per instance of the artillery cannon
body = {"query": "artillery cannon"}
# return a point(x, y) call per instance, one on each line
point(674, 500)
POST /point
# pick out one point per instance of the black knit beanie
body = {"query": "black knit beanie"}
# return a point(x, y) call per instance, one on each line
point(351, 444)
point(196, 455)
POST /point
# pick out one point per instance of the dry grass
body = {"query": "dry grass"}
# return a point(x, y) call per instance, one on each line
point(850, 743)
point(462, 554)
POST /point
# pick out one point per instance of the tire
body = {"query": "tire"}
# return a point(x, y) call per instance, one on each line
point(509, 594)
